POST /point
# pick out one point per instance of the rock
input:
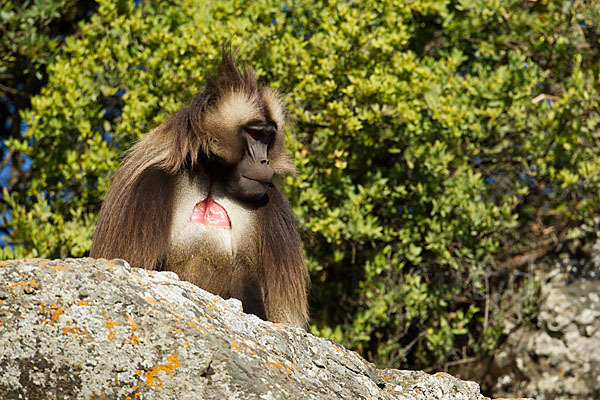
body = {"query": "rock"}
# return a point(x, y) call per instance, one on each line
point(100, 329)
point(558, 359)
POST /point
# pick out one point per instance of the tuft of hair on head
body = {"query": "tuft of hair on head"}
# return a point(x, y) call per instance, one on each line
point(228, 77)
point(230, 99)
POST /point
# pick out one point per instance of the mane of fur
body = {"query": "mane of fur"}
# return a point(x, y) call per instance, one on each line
point(286, 276)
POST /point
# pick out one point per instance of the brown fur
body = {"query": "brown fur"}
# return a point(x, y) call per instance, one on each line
point(283, 262)
point(268, 272)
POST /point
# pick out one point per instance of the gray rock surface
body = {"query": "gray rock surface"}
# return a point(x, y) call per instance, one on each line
point(91, 329)
point(559, 358)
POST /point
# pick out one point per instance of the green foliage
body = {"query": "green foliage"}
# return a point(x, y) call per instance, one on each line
point(25, 33)
point(31, 32)
point(431, 139)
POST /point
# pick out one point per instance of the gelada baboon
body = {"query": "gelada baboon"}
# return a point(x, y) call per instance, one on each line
point(195, 196)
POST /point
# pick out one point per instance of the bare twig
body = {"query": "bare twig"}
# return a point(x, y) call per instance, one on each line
point(466, 360)
point(9, 89)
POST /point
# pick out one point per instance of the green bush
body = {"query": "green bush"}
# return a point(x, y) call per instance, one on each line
point(434, 141)
point(30, 36)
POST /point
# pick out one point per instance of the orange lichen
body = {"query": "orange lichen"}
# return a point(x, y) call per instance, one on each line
point(57, 311)
point(133, 324)
point(151, 300)
point(234, 346)
point(200, 328)
point(133, 339)
point(84, 303)
point(275, 364)
point(12, 285)
point(69, 329)
point(110, 325)
point(335, 347)
point(281, 366)
point(60, 267)
point(76, 330)
point(169, 368)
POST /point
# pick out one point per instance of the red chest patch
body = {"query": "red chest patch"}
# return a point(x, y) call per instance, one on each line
point(210, 213)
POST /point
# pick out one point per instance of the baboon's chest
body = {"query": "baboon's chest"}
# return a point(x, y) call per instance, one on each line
point(208, 238)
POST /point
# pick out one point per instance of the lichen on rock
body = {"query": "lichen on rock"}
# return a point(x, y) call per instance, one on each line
point(94, 329)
